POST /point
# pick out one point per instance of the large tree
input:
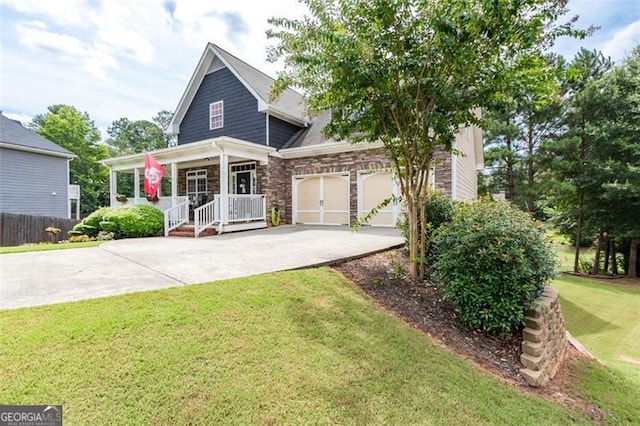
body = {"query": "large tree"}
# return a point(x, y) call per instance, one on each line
point(74, 130)
point(133, 137)
point(411, 73)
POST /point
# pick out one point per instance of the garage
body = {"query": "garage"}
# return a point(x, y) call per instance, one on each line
point(321, 199)
point(373, 188)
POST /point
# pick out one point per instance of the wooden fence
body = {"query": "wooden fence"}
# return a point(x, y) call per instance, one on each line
point(18, 229)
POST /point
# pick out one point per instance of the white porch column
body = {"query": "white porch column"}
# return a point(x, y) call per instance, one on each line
point(136, 185)
point(113, 187)
point(224, 190)
point(174, 184)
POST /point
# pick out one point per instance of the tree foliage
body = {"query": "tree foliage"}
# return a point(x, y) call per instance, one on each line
point(75, 131)
point(133, 137)
point(410, 73)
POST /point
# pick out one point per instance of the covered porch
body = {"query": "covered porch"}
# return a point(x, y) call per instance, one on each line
point(213, 183)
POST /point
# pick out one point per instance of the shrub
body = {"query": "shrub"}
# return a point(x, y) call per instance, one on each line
point(80, 239)
point(439, 209)
point(105, 236)
point(83, 229)
point(96, 217)
point(493, 263)
point(135, 221)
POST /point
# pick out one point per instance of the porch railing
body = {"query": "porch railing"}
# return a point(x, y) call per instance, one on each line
point(163, 203)
point(206, 215)
point(244, 208)
point(176, 216)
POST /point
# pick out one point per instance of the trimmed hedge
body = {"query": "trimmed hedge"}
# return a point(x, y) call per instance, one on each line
point(493, 262)
point(124, 222)
point(134, 221)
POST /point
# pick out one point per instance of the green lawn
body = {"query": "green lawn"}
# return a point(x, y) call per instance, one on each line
point(45, 247)
point(605, 317)
point(300, 347)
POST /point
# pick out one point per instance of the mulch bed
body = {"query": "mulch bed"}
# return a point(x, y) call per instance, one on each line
point(384, 278)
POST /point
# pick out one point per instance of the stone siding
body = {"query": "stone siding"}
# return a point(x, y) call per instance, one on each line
point(275, 178)
point(545, 341)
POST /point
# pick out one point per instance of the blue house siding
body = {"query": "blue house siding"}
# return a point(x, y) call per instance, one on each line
point(280, 132)
point(29, 181)
point(242, 119)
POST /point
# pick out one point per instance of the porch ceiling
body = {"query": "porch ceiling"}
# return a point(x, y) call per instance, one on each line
point(195, 154)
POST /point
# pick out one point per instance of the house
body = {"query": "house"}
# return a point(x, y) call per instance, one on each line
point(238, 155)
point(34, 173)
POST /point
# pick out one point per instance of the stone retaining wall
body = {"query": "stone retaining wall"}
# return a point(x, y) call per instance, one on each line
point(544, 339)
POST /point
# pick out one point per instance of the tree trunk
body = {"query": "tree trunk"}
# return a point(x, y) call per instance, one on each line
point(510, 190)
point(530, 171)
point(633, 259)
point(413, 236)
point(578, 233)
point(614, 261)
point(596, 261)
point(607, 253)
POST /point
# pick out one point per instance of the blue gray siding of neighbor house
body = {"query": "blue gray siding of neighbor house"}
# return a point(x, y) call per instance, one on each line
point(242, 119)
point(29, 181)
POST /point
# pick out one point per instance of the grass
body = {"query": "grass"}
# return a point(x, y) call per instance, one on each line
point(605, 317)
point(295, 347)
point(46, 247)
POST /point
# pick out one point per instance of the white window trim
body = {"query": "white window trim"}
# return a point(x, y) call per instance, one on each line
point(253, 187)
point(221, 115)
point(195, 175)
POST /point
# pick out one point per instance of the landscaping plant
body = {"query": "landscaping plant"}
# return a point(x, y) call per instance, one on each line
point(121, 222)
point(493, 262)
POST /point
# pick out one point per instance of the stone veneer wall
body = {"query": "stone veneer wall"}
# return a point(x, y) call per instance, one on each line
point(545, 341)
point(277, 179)
point(274, 178)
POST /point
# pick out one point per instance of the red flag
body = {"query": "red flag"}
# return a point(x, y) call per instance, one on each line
point(153, 173)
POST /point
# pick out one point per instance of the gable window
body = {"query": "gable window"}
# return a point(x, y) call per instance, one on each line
point(216, 115)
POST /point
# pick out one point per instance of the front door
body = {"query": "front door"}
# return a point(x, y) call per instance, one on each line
point(243, 183)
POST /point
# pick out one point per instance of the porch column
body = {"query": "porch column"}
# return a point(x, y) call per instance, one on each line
point(136, 185)
point(224, 190)
point(174, 184)
point(113, 187)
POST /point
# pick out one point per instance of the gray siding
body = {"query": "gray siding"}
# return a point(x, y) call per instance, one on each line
point(28, 180)
point(242, 119)
point(280, 132)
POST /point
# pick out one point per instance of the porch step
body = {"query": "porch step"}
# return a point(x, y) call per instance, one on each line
point(188, 231)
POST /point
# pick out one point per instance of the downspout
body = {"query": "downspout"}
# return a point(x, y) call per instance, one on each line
point(267, 127)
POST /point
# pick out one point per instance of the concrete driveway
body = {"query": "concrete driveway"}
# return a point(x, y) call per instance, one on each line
point(126, 266)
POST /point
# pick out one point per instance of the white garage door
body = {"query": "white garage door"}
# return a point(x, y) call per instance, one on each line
point(373, 188)
point(321, 199)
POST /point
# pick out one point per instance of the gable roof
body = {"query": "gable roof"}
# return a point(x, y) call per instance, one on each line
point(289, 107)
point(14, 135)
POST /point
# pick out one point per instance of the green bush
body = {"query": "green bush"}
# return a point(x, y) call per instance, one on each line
point(96, 217)
point(135, 221)
point(493, 262)
point(84, 229)
point(108, 226)
point(439, 209)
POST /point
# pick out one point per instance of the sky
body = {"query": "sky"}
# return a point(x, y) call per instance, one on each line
point(128, 58)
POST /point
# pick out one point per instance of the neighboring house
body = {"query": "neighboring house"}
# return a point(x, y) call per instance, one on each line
point(34, 173)
point(238, 155)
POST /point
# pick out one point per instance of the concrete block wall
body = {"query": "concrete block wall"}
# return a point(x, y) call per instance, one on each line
point(545, 343)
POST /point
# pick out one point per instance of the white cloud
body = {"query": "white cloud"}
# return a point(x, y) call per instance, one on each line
point(623, 42)
point(62, 12)
point(63, 47)
point(19, 116)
